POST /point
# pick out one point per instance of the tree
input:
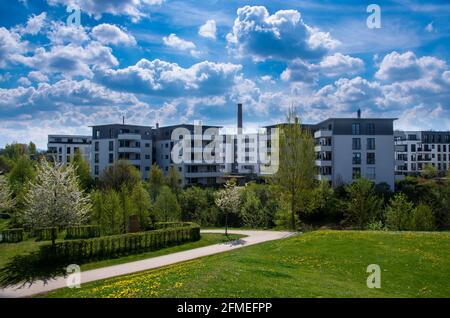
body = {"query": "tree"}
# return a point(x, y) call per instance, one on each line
point(55, 199)
point(32, 151)
point(228, 200)
point(423, 218)
point(121, 173)
point(6, 200)
point(82, 170)
point(197, 205)
point(296, 171)
point(166, 206)
point(173, 180)
point(106, 211)
point(252, 211)
point(142, 206)
point(156, 180)
point(429, 171)
point(399, 213)
point(363, 205)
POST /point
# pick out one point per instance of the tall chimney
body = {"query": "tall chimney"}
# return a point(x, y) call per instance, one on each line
point(359, 113)
point(239, 117)
point(123, 120)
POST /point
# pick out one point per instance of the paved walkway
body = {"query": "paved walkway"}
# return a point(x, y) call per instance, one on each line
point(253, 237)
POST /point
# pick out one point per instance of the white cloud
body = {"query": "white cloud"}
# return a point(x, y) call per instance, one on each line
point(24, 81)
point(300, 71)
point(11, 47)
point(208, 30)
point(282, 35)
point(339, 64)
point(111, 34)
point(162, 78)
point(61, 33)
point(135, 9)
point(34, 24)
point(429, 27)
point(174, 41)
point(37, 76)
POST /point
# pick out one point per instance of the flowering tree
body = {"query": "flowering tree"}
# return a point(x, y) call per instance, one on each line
point(228, 200)
point(6, 200)
point(55, 199)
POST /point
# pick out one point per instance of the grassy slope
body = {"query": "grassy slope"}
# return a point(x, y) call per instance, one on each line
point(8, 251)
point(316, 264)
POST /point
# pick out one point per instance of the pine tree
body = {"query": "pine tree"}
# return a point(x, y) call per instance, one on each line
point(55, 199)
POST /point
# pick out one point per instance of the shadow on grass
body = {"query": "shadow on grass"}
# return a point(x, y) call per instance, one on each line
point(24, 270)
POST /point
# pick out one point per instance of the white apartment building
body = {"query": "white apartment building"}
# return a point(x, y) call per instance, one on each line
point(416, 149)
point(350, 148)
point(61, 148)
point(111, 143)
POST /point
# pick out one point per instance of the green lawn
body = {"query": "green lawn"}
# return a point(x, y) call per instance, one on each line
point(9, 250)
point(315, 264)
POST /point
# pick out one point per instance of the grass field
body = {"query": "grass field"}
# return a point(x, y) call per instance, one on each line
point(315, 264)
point(9, 250)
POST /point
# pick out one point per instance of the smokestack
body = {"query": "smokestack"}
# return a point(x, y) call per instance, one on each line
point(239, 117)
point(123, 120)
point(359, 113)
point(157, 125)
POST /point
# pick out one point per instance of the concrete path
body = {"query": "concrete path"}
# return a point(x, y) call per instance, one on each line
point(253, 237)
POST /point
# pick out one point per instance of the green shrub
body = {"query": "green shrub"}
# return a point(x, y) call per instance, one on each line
point(80, 232)
point(423, 218)
point(116, 245)
point(399, 213)
point(166, 225)
point(375, 225)
point(44, 234)
point(11, 236)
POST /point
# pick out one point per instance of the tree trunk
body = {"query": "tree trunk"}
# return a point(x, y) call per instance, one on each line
point(293, 214)
point(226, 224)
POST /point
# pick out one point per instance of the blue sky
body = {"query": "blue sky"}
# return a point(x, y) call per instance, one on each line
point(172, 61)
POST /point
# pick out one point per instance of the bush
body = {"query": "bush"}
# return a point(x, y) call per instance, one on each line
point(80, 232)
point(44, 234)
point(113, 246)
point(423, 218)
point(11, 236)
point(375, 226)
point(399, 213)
point(167, 225)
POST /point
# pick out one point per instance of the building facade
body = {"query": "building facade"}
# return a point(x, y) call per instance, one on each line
point(62, 148)
point(416, 149)
point(350, 148)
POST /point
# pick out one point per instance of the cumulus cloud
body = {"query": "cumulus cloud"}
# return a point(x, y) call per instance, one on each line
point(37, 76)
point(408, 67)
point(112, 34)
point(11, 47)
point(300, 71)
point(174, 41)
point(24, 81)
point(208, 30)
point(162, 78)
point(282, 35)
point(339, 65)
point(135, 9)
point(34, 24)
point(61, 33)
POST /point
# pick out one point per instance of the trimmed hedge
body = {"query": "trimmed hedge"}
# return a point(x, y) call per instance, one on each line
point(11, 236)
point(165, 225)
point(82, 232)
point(44, 234)
point(117, 245)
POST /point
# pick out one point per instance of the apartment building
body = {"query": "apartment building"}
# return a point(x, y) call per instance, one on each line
point(350, 148)
point(111, 143)
point(61, 148)
point(196, 170)
point(416, 149)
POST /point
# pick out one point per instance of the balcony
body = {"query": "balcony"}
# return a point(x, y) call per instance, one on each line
point(129, 136)
point(323, 133)
point(321, 177)
point(323, 163)
point(203, 174)
point(320, 148)
point(400, 148)
point(129, 149)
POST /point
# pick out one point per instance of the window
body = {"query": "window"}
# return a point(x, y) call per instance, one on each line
point(356, 144)
point(147, 145)
point(356, 129)
point(96, 159)
point(370, 174)
point(147, 157)
point(370, 143)
point(412, 137)
point(413, 148)
point(68, 150)
point(370, 129)
point(356, 172)
point(147, 168)
point(97, 134)
point(370, 158)
point(111, 158)
point(96, 170)
point(96, 145)
point(68, 159)
point(356, 158)
point(166, 156)
point(413, 167)
point(111, 145)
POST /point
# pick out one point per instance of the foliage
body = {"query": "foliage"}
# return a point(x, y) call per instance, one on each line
point(156, 181)
point(142, 206)
point(228, 200)
point(173, 180)
point(429, 171)
point(20, 177)
point(82, 232)
point(198, 205)
point(166, 206)
point(6, 200)
point(116, 245)
point(106, 211)
point(296, 171)
point(55, 199)
point(283, 216)
point(259, 204)
point(423, 218)
point(399, 213)
point(363, 205)
point(120, 174)
point(82, 170)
